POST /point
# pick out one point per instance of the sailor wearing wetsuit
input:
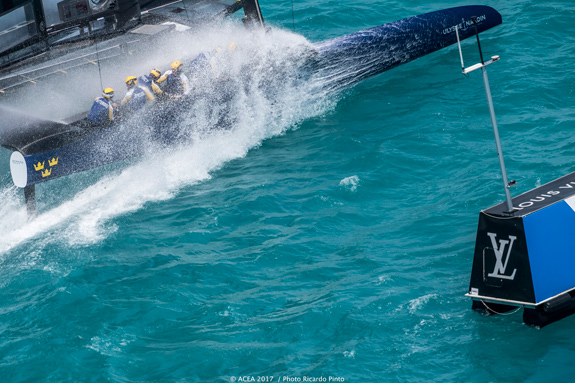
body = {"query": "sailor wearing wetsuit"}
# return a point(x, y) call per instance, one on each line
point(174, 82)
point(102, 112)
point(137, 96)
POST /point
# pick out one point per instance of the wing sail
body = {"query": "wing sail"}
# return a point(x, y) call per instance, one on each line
point(378, 49)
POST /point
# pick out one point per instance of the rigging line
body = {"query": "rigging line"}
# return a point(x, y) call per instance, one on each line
point(98, 61)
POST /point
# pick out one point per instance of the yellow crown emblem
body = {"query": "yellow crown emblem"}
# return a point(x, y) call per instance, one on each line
point(53, 161)
point(46, 172)
point(40, 165)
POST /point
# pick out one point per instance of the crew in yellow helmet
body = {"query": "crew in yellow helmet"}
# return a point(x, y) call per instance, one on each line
point(200, 65)
point(102, 111)
point(149, 82)
point(136, 96)
point(176, 83)
point(214, 61)
point(155, 74)
point(206, 64)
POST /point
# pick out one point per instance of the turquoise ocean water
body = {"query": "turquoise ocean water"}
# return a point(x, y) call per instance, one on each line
point(331, 236)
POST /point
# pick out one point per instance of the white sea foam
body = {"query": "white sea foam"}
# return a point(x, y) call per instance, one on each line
point(417, 303)
point(350, 183)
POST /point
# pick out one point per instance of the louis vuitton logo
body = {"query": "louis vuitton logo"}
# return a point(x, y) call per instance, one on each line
point(501, 261)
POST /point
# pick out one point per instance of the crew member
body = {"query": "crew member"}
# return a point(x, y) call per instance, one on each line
point(149, 81)
point(176, 83)
point(136, 96)
point(200, 63)
point(103, 109)
point(220, 58)
point(204, 64)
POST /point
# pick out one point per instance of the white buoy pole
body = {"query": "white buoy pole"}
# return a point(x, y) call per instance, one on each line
point(497, 140)
point(483, 64)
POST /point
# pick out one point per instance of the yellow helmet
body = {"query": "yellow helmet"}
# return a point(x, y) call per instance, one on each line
point(131, 80)
point(155, 74)
point(176, 65)
point(108, 93)
point(232, 46)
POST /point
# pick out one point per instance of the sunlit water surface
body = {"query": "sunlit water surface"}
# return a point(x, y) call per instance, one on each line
point(326, 234)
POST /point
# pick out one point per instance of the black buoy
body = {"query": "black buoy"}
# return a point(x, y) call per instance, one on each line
point(524, 250)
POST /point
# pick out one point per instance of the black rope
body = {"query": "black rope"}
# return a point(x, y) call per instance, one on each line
point(474, 19)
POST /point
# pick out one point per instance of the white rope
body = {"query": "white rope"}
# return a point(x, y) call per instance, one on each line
point(507, 313)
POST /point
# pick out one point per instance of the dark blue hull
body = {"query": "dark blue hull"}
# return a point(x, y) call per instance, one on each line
point(126, 139)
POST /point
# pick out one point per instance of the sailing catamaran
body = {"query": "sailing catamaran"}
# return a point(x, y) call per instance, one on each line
point(85, 33)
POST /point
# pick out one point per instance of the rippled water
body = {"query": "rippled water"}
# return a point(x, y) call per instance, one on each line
point(331, 236)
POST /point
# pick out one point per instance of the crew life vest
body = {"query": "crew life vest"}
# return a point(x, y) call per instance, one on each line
point(175, 85)
point(146, 81)
point(200, 63)
point(136, 98)
point(102, 111)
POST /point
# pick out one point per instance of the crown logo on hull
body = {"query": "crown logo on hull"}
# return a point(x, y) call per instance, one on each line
point(40, 166)
point(53, 161)
point(46, 172)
